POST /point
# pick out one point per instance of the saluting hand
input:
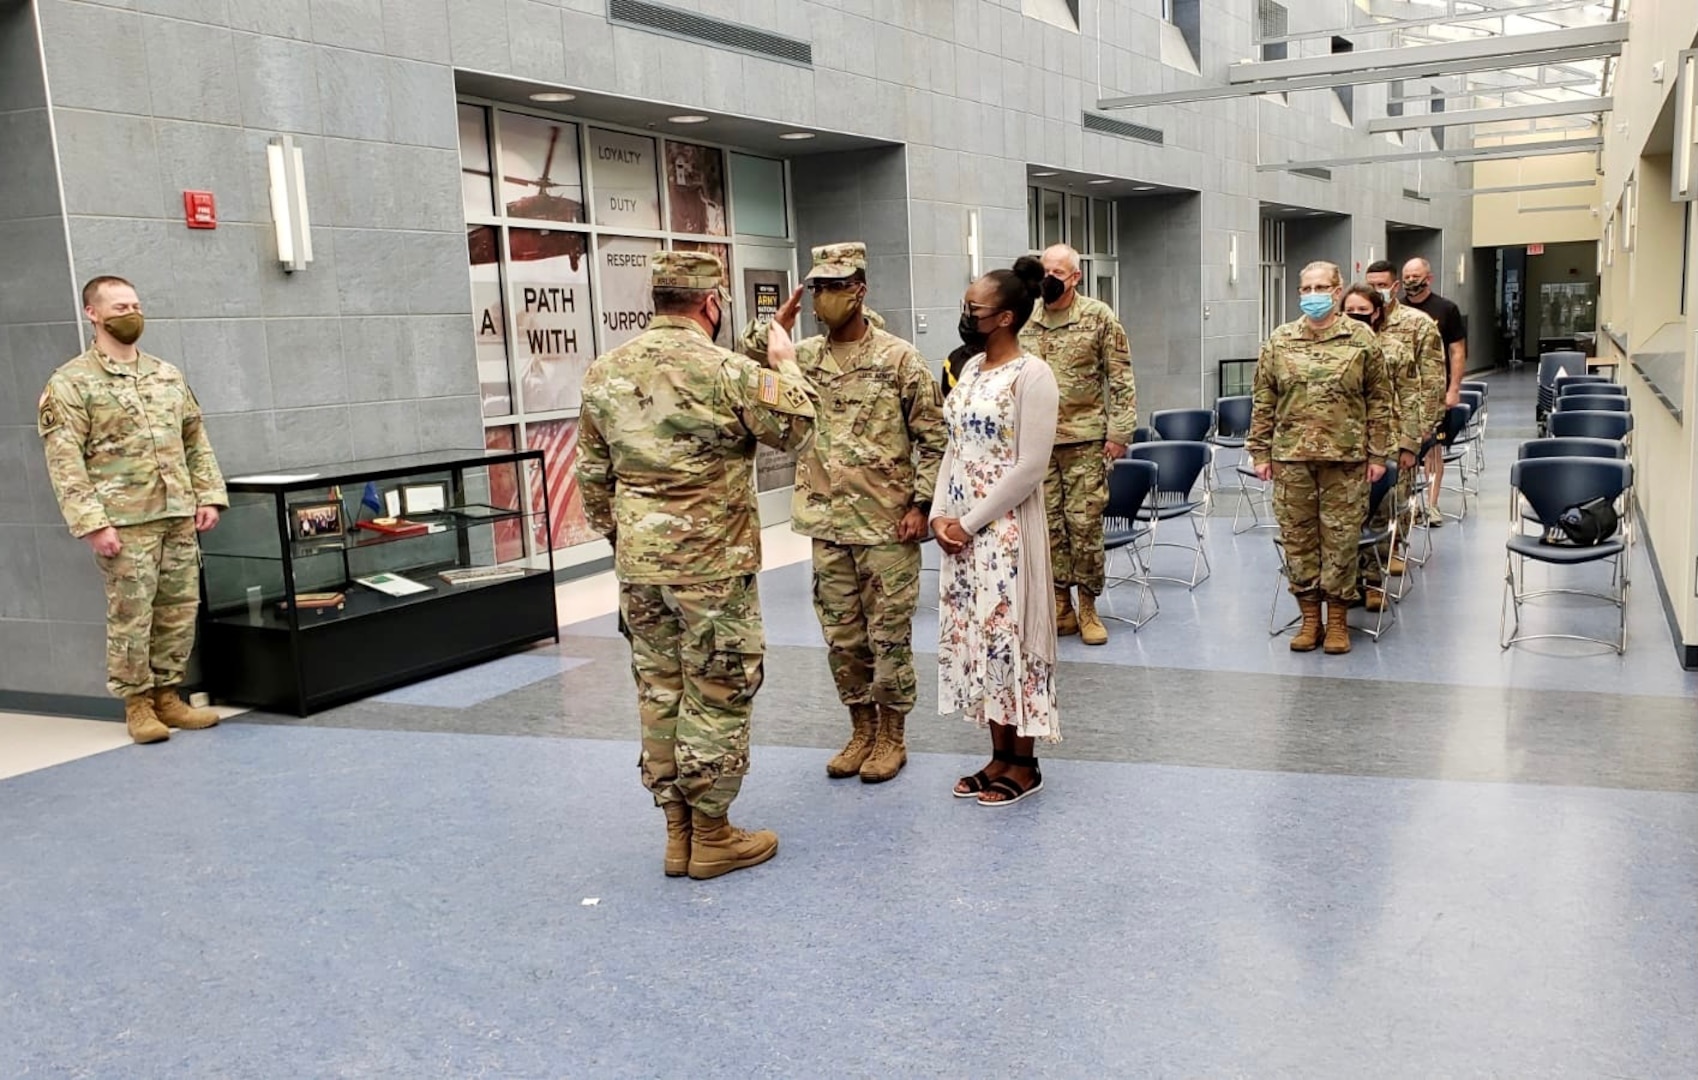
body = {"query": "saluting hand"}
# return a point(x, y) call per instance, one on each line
point(786, 315)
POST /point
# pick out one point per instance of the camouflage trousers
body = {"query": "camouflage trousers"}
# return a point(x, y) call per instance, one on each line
point(1075, 495)
point(696, 655)
point(865, 595)
point(152, 594)
point(1320, 507)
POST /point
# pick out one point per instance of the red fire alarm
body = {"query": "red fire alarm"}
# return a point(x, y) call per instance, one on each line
point(199, 211)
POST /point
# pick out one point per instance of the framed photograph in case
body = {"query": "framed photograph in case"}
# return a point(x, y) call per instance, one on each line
point(431, 498)
point(316, 520)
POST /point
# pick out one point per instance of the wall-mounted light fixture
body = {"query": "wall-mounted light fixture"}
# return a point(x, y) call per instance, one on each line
point(974, 258)
point(1232, 260)
point(1373, 254)
point(1462, 269)
point(1684, 182)
point(289, 203)
point(1629, 213)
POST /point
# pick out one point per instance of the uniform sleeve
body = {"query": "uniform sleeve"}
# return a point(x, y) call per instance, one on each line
point(62, 422)
point(1376, 386)
point(204, 474)
point(595, 474)
point(1036, 401)
point(776, 407)
point(1434, 362)
point(1264, 393)
point(752, 341)
point(923, 408)
point(1122, 389)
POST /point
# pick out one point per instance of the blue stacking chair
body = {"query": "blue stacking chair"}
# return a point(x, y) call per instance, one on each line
point(1183, 425)
point(1130, 482)
point(1595, 385)
point(1550, 486)
point(1592, 403)
point(1591, 425)
point(1179, 465)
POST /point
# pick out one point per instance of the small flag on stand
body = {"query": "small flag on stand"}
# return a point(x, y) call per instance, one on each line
point(369, 501)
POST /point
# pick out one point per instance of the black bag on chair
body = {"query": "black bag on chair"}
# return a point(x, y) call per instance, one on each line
point(1590, 523)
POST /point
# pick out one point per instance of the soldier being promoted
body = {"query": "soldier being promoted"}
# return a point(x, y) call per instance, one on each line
point(136, 480)
point(666, 458)
point(1321, 429)
point(1085, 345)
point(863, 489)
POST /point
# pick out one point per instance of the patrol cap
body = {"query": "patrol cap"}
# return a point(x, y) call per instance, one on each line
point(838, 261)
point(686, 270)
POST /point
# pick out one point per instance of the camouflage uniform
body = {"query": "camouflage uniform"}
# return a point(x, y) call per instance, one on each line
point(666, 455)
point(877, 444)
point(1085, 346)
point(1429, 371)
point(1412, 396)
point(126, 448)
point(1323, 412)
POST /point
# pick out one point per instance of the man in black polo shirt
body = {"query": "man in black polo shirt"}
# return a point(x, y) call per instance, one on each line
point(1418, 293)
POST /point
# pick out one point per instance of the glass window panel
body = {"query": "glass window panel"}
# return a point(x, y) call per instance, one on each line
point(1052, 218)
point(728, 324)
point(1034, 221)
point(550, 291)
point(504, 494)
point(757, 186)
point(627, 193)
point(489, 320)
point(1102, 230)
point(1077, 235)
point(626, 301)
point(539, 169)
point(476, 192)
point(1105, 289)
point(558, 440)
point(695, 189)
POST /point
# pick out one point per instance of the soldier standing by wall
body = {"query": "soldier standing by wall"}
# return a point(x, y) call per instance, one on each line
point(1085, 345)
point(666, 457)
point(1321, 429)
point(863, 488)
point(136, 479)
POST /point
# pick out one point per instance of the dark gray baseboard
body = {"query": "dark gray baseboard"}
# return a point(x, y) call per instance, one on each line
point(80, 705)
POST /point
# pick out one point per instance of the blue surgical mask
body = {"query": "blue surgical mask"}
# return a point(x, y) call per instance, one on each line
point(1316, 305)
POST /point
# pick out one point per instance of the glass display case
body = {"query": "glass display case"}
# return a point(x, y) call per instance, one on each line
point(326, 584)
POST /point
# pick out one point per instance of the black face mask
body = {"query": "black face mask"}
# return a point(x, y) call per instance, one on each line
point(1052, 288)
point(1365, 320)
point(971, 335)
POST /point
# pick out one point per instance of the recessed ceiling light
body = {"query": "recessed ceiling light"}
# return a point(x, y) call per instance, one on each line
point(1144, 187)
point(687, 118)
point(554, 95)
point(1316, 213)
point(1100, 181)
point(1043, 174)
point(797, 136)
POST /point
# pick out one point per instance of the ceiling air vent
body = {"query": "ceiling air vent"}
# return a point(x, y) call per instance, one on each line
point(1314, 174)
point(1110, 126)
point(1411, 193)
point(661, 19)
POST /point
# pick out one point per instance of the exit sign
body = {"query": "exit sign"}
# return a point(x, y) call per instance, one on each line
point(1535, 249)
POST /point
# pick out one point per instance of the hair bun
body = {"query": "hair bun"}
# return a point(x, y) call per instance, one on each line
point(1030, 270)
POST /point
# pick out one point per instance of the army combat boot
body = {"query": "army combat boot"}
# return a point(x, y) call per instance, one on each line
point(1309, 634)
point(1091, 628)
point(1338, 629)
point(143, 723)
point(863, 720)
point(717, 847)
point(170, 709)
point(677, 838)
point(890, 748)
point(1066, 623)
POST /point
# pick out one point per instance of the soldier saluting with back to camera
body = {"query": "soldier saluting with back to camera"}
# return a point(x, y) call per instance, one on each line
point(136, 480)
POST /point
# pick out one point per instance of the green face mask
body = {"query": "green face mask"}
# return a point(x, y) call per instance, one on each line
point(125, 329)
point(836, 308)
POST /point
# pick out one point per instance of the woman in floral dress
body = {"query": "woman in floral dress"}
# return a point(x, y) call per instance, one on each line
point(996, 618)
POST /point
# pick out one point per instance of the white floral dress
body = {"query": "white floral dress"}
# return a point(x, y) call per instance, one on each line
point(982, 670)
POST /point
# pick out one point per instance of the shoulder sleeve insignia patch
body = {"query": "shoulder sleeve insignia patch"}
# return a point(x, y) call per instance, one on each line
point(769, 389)
point(47, 414)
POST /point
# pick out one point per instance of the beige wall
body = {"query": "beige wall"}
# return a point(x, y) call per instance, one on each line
point(1641, 293)
point(1521, 217)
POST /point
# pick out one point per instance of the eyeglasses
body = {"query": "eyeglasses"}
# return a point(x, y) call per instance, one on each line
point(819, 285)
point(1314, 290)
